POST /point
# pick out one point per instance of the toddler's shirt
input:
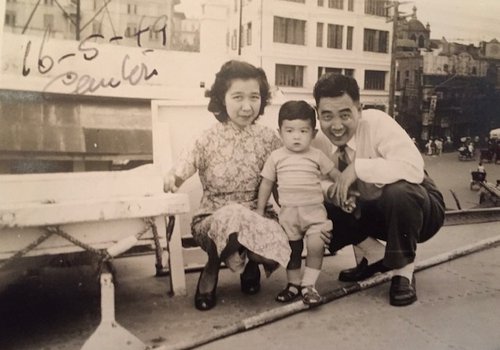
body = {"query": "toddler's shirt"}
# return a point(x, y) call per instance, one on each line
point(297, 175)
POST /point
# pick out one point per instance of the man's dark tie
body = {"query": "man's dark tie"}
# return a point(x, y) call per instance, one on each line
point(343, 157)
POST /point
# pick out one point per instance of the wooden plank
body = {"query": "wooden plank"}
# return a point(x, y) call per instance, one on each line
point(57, 187)
point(39, 214)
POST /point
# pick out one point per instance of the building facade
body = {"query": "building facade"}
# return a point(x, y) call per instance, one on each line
point(445, 89)
point(99, 117)
point(295, 42)
point(149, 22)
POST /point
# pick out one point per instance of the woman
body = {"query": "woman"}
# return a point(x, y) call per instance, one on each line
point(229, 158)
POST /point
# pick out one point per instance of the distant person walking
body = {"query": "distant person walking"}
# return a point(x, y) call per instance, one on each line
point(439, 146)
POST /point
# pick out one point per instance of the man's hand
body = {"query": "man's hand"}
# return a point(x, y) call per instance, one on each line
point(326, 236)
point(338, 192)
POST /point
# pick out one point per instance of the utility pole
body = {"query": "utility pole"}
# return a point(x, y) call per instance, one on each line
point(77, 21)
point(240, 34)
point(392, 73)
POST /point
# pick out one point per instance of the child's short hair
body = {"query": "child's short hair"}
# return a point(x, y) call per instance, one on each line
point(293, 110)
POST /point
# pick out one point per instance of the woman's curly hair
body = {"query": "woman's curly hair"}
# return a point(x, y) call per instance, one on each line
point(235, 70)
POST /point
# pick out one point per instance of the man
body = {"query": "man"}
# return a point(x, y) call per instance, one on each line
point(398, 203)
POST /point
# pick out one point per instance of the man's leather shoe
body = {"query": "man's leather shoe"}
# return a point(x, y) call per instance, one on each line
point(402, 292)
point(362, 271)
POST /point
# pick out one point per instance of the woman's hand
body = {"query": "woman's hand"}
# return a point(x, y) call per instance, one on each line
point(169, 183)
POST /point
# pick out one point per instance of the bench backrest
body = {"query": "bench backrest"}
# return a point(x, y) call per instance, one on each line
point(176, 126)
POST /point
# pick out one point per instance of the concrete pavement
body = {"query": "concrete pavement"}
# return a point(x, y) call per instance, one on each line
point(58, 308)
point(457, 306)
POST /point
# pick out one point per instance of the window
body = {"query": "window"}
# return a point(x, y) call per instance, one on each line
point(235, 5)
point(48, 2)
point(320, 3)
point(131, 30)
point(288, 75)
point(96, 28)
point(234, 40)
point(374, 80)
point(350, 5)
point(349, 72)
point(319, 34)
point(334, 38)
point(249, 33)
point(376, 40)
point(153, 34)
point(48, 21)
point(131, 9)
point(350, 31)
point(10, 19)
point(375, 7)
point(421, 41)
point(289, 31)
point(336, 4)
point(326, 70)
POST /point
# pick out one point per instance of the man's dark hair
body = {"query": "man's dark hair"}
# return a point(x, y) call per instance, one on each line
point(293, 110)
point(335, 85)
point(230, 71)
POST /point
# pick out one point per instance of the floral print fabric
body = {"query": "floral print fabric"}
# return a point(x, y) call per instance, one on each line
point(229, 161)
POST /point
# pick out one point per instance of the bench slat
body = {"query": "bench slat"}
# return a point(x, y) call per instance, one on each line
point(40, 214)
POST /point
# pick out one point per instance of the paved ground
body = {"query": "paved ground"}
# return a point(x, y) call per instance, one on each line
point(452, 174)
point(58, 308)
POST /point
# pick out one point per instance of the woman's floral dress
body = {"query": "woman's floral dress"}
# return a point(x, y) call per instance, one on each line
point(229, 161)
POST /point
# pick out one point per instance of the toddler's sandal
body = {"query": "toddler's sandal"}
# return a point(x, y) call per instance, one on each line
point(291, 292)
point(310, 296)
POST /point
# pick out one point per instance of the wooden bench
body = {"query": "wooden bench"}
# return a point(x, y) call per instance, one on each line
point(100, 210)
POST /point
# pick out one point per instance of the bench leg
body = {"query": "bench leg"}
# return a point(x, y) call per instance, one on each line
point(176, 262)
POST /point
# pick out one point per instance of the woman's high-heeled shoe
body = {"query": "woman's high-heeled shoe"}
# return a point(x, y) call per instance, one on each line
point(250, 278)
point(205, 301)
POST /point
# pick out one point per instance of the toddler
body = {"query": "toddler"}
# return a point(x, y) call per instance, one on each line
point(297, 168)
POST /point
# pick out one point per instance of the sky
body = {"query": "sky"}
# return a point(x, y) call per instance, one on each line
point(467, 21)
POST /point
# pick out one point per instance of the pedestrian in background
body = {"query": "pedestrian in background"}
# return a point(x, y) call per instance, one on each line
point(439, 146)
point(429, 147)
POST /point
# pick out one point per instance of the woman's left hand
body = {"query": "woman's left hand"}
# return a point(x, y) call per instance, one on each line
point(169, 183)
